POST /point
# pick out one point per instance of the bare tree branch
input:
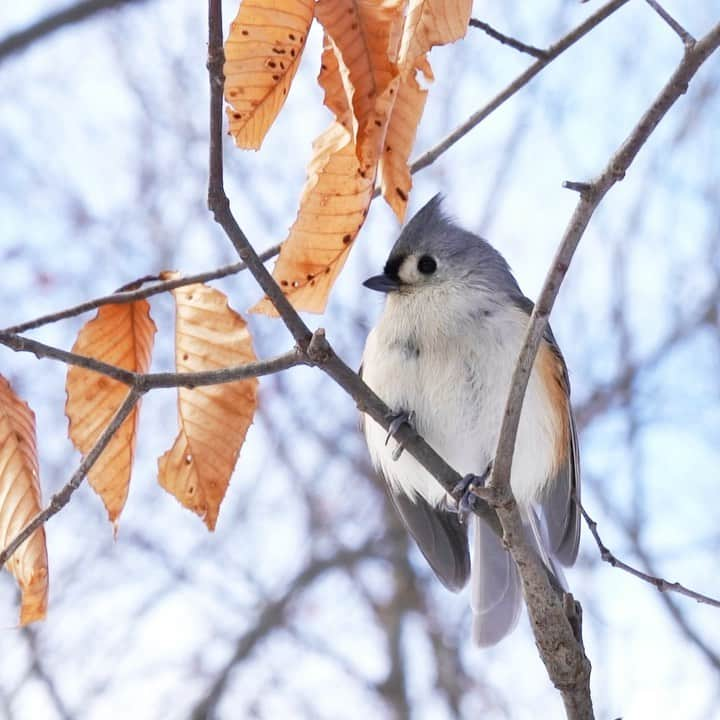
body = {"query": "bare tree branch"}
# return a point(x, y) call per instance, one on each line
point(131, 296)
point(660, 583)
point(22, 39)
point(150, 381)
point(506, 40)
point(678, 29)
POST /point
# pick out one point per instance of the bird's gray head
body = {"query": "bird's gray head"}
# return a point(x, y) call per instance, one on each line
point(433, 253)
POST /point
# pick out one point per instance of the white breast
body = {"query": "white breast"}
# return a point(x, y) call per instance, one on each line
point(451, 365)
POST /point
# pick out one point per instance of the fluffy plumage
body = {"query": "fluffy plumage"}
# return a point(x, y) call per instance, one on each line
point(445, 348)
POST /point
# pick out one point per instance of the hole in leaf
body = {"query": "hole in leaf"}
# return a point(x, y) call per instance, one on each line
point(244, 32)
point(284, 283)
point(296, 283)
point(291, 36)
point(188, 459)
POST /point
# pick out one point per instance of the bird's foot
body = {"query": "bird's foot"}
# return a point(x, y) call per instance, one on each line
point(398, 419)
point(464, 492)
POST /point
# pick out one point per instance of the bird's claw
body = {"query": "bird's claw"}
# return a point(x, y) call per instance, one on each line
point(397, 420)
point(464, 492)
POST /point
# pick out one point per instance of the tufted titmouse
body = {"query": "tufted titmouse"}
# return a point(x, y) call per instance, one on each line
point(442, 356)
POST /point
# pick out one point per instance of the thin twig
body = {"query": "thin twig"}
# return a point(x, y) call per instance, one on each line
point(506, 40)
point(660, 583)
point(61, 498)
point(150, 381)
point(520, 81)
point(23, 344)
point(688, 40)
point(119, 298)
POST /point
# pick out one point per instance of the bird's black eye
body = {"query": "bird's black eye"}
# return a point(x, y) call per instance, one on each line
point(427, 265)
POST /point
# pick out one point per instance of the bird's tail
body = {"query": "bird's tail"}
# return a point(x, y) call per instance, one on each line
point(495, 582)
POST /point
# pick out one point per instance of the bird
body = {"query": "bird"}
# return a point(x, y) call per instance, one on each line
point(441, 357)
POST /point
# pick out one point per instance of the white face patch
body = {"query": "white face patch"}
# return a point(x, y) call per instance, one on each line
point(408, 272)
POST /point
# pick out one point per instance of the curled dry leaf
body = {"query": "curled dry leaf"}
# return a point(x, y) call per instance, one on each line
point(365, 35)
point(333, 79)
point(20, 502)
point(213, 419)
point(333, 207)
point(395, 178)
point(120, 335)
point(262, 54)
point(428, 23)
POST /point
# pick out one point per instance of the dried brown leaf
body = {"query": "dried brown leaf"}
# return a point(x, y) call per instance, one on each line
point(20, 502)
point(262, 54)
point(333, 79)
point(395, 177)
point(120, 335)
point(365, 35)
point(430, 23)
point(333, 207)
point(213, 419)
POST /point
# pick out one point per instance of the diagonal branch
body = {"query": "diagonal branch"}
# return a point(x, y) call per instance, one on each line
point(22, 39)
point(677, 28)
point(119, 298)
point(150, 381)
point(660, 583)
point(62, 498)
point(506, 40)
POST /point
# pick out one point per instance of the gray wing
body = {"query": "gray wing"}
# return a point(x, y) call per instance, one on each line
point(441, 537)
point(560, 504)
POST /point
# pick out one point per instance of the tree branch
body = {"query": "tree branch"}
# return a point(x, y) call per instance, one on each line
point(119, 298)
point(677, 28)
point(506, 40)
point(150, 381)
point(660, 583)
point(22, 39)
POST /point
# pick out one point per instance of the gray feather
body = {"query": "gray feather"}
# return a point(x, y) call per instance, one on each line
point(441, 537)
point(560, 505)
point(496, 591)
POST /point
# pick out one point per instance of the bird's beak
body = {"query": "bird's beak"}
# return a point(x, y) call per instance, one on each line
point(382, 283)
